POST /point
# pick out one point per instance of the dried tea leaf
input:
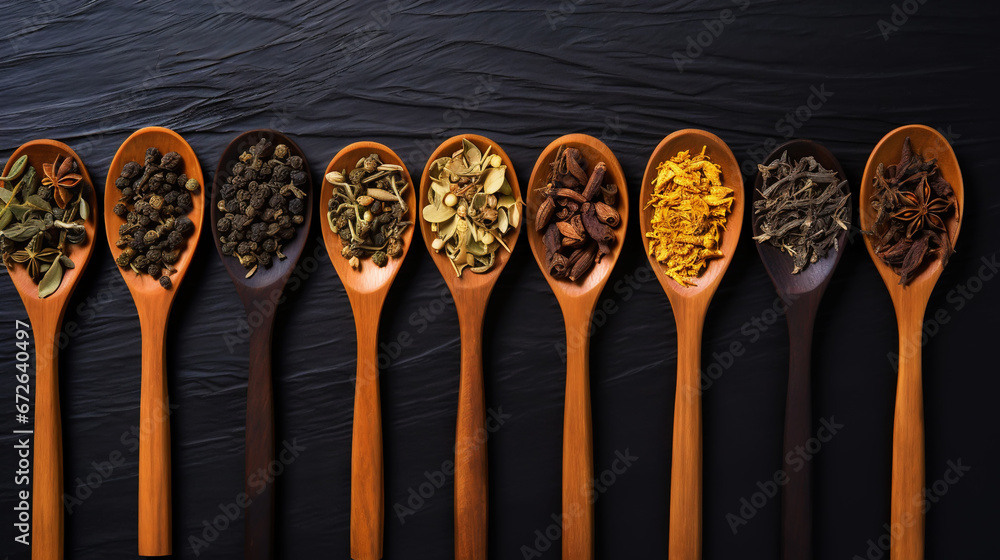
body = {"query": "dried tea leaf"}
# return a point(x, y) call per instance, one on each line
point(35, 202)
point(437, 213)
point(16, 169)
point(494, 179)
point(50, 282)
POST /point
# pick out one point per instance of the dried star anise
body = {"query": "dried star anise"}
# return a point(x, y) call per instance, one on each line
point(62, 179)
point(913, 203)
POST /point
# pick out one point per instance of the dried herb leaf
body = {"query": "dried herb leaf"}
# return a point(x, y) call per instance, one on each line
point(50, 282)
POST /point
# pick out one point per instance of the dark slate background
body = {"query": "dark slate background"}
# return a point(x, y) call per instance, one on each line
point(410, 74)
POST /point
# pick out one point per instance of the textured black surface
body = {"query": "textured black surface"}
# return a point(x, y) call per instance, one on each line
point(409, 74)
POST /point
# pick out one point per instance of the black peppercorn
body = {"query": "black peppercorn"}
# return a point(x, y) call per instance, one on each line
point(165, 282)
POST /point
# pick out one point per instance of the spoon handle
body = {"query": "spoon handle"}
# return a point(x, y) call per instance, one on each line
point(259, 523)
point(367, 492)
point(685, 476)
point(47, 486)
point(796, 497)
point(907, 514)
point(154, 441)
point(471, 474)
point(578, 439)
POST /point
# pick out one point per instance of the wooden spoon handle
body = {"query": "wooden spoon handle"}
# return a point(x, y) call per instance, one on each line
point(578, 442)
point(47, 485)
point(906, 514)
point(796, 497)
point(367, 492)
point(259, 524)
point(685, 475)
point(471, 493)
point(154, 442)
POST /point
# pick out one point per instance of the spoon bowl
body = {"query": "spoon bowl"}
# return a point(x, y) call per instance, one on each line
point(260, 291)
point(801, 293)
point(46, 315)
point(577, 300)
point(910, 302)
point(153, 304)
point(366, 288)
point(690, 304)
point(471, 293)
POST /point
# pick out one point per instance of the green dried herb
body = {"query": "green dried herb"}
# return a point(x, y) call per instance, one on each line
point(471, 207)
point(802, 209)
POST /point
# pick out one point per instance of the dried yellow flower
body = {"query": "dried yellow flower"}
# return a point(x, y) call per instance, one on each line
point(690, 209)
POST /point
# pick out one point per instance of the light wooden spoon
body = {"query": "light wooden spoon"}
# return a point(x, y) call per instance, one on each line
point(46, 315)
point(578, 301)
point(366, 289)
point(260, 294)
point(801, 294)
point(689, 306)
point(910, 302)
point(471, 293)
point(153, 302)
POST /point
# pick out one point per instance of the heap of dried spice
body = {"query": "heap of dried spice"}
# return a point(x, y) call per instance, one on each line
point(690, 209)
point(471, 207)
point(261, 204)
point(41, 220)
point(367, 210)
point(802, 209)
point(577, 214)
point(154, 202)
point(913, 202)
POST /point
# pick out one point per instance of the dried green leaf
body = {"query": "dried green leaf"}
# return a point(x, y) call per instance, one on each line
point(84, 208)
point(35, 202)
point(472, 153)
point(16, 169)
point(494, 179)
point(437, 213)
point(50, 282)
point(66, 261)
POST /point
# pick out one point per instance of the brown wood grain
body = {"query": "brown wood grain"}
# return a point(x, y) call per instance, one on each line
point(153, 304)
point(910, 302)
point(801, 293)
point(689, 305)
point(260, 294)
point(471, 293)
point(366, 289)
point(46, 317)
point(578, 301)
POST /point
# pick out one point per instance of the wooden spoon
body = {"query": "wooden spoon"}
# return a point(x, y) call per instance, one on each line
point(578, 301)
point(690, 305)
point(801, 294)
point(471, 293)
point(46, 315)
point(910, 302)
point(260, 294)
point(366, 289)
point(152, 302)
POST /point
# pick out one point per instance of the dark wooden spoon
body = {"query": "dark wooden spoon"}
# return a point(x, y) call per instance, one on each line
point(578, 301)
point(366, 288)
point(260, 294)
point(801, 294)
point(471, 293)
point(46, 315)
point(153, 304)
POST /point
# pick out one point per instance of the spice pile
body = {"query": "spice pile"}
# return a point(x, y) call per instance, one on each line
point(914, 202)
point(802, 210)
point(261, 204)
point(367, 210)
point(40, 220)
point(155, 199)
point(471, 207)
point(690, 209)
point(578, 215)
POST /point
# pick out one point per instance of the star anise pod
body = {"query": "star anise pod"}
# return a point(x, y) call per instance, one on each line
point(920, 207)
point(62, 179)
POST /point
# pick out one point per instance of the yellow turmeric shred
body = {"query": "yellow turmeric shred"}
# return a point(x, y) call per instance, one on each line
point(690, 209)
